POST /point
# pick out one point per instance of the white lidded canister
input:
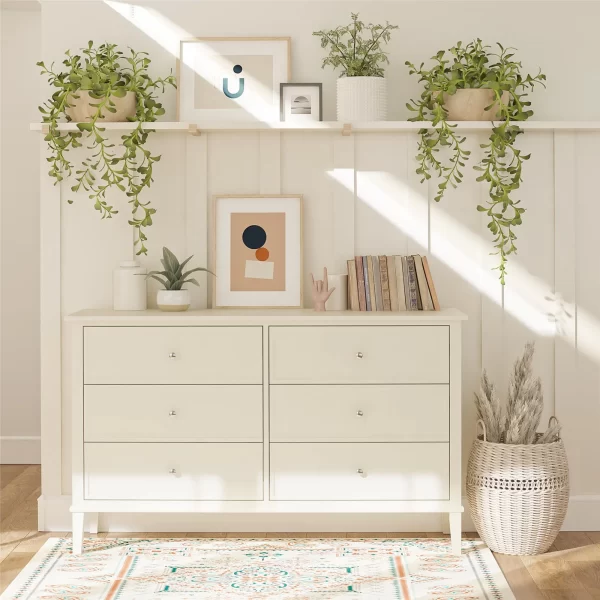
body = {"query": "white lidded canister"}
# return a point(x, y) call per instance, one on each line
point(129, 286)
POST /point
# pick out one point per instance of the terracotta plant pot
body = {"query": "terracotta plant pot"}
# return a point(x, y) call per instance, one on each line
point(173, 300)
point(81, 109)
point(470, 105)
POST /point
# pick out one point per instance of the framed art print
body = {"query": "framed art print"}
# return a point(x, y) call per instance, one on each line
point(301, 102)
point(257, 254)
point(231, 79)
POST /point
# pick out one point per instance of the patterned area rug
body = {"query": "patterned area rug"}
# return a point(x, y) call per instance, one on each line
point(302, 569)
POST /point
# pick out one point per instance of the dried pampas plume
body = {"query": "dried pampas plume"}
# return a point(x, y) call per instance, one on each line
point(518, 424)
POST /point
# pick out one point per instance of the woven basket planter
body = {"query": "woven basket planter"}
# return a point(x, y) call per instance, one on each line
point(518, 494)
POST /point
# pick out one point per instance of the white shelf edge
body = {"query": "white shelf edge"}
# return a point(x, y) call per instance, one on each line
point(364, 127)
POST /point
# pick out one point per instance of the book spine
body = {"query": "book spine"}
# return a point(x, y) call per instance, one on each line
point(385, 283)
point(360, 283)
point(434, 296)
point(368, 284)
point(371, 276)
point(391, 266)
point(426, 302)
point(413, 289)
point(405, 281)
point(400, 282)
point(352, 285)
point(377, 279)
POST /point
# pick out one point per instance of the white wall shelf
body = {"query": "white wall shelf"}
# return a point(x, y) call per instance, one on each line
point(344, 128)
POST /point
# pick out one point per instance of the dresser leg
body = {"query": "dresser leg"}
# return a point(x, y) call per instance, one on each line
point(78, 532)
point(456, 532)
point(93, 522)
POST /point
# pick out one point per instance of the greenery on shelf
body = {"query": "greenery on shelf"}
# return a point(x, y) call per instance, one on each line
point(358, 56)
point(173, 276)
point(517, 421)
point(105, 72)
point(475, 66)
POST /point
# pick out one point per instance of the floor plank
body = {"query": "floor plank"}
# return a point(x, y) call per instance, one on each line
point(12, 566)
point(8, 473)
point(552, 574)
point(520, 580)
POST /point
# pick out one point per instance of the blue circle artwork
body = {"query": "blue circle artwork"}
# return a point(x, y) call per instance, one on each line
point(237, 69)
point(254, 237)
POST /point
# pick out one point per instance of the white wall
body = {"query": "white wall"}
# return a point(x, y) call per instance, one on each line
point(19, 236)
point(554, 276)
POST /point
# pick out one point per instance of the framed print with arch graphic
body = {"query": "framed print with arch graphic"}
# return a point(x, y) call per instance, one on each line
point(231, 79)
point(257, 255)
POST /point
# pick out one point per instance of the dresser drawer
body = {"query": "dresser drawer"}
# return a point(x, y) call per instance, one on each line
point(359, 472)
point(173, 413)
point(359, 354)
point(178, 355)
point(173, 471)
point(359, 413)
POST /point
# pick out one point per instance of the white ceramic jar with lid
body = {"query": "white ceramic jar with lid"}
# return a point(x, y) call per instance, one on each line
point(129, 286)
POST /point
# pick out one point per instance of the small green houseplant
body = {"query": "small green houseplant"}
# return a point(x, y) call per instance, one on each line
point(94, 87)
point(173, 297)
point(498, 90)
point(357, 49)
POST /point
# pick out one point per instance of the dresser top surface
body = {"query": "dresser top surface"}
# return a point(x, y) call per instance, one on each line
point(279, 316)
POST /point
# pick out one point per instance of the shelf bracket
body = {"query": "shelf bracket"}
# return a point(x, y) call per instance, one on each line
point(347, 129)
point(45, 128)
point(193, 130)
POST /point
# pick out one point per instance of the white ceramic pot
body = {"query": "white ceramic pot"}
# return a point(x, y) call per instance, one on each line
point(81, 109)
point(173, 300)
point(361, 99)
point(470, 105)
point(129, 286)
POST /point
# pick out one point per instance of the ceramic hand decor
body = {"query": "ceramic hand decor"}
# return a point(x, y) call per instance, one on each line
point(321, 291)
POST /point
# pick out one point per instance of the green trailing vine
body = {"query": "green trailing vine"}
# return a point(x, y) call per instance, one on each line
point(470, 66)
point(358, 54)
point(106, 73)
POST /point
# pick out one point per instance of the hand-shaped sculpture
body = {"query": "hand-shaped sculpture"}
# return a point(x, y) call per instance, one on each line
point(320, 291)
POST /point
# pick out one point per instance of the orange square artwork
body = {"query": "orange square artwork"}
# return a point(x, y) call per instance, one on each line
point(257, 252)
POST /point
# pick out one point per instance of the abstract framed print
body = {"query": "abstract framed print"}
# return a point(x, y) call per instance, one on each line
point(301, 102)
point(257, 255)
point(231, 79)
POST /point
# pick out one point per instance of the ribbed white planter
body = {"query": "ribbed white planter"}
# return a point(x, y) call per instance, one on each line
point(361, 99)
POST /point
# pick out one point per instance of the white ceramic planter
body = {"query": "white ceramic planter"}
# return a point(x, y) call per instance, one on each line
point(173, 300)
point(470, 105)
point(361, 99)
point(129, 286)
point(83, 111)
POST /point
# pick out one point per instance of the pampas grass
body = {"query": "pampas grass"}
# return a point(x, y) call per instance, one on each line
point(519, 421)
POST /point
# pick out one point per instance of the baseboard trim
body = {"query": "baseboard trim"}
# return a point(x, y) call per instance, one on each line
point(20, 450)
point(54, 515)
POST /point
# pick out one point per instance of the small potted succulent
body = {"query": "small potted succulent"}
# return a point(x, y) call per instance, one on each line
point(173, 298)
point(471, 82)
point(357, 49)
point(517, 478)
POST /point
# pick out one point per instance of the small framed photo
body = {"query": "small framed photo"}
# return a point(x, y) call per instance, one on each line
point(257, 254)
point(301, 102)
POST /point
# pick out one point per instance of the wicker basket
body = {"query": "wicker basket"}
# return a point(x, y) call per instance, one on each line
point(518, 494)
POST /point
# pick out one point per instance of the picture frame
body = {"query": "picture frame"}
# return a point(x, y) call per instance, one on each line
point(306, 109)
point(231, 78)
point(257, 251)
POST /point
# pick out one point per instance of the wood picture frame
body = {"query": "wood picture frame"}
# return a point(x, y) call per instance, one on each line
point(220, 262)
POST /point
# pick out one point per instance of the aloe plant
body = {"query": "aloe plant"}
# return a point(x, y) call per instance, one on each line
point(173, 277)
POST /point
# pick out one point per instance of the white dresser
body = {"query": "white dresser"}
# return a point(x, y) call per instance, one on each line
point(285, 411)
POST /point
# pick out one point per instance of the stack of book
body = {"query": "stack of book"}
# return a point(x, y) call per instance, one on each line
point(391, 283)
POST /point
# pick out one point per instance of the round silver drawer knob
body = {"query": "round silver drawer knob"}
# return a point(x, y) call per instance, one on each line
point(360, 471)
point(172, 355)
point(359, 355)
point(172, 413)
point(173, 471)
point(359, 413)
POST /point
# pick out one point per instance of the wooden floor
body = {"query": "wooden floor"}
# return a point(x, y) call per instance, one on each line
point(570, 571)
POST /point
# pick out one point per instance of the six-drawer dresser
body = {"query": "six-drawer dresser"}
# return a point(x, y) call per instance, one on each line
point(266, 411)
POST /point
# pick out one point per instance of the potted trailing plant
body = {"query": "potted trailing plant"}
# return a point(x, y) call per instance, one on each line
point(357, 50)
point(473, 83)
point(100, 85)
point(173, 298)
point(517, 478)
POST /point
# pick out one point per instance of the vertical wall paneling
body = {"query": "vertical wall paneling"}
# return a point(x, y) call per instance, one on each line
point(270, 162)
point(196, 212)
point(417, 197)
point(50, 330)
point(343, 202)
